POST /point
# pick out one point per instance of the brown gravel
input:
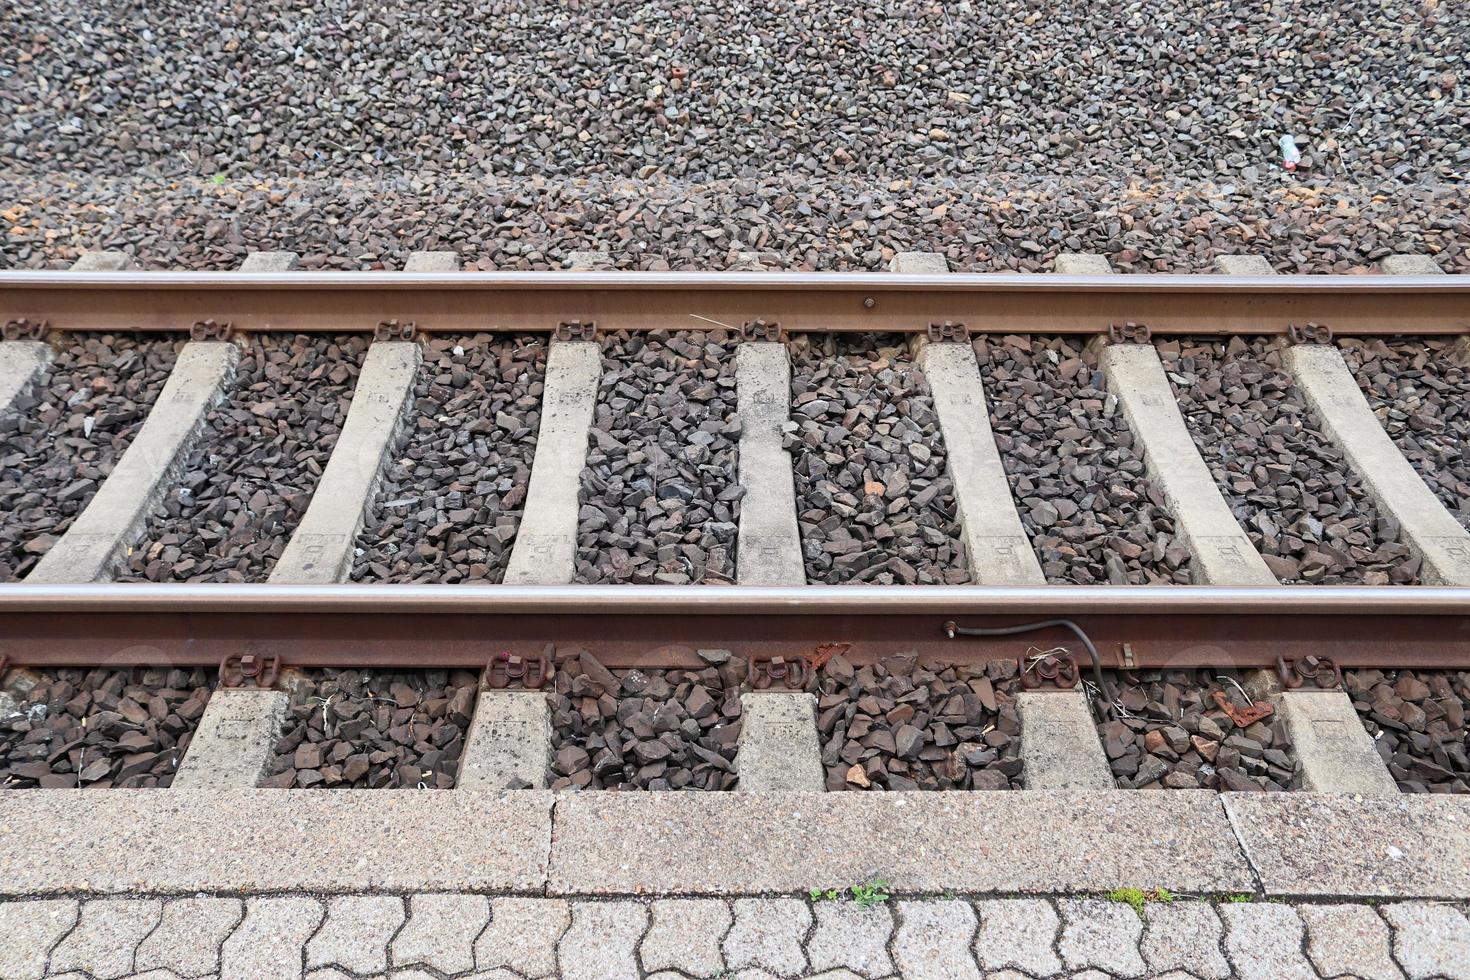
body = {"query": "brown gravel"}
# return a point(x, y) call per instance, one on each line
point(66, 434)
point(1170, 733)
point(452, 495)
point(1292, 491)
point(899, 725)
point(251, 476)
point(102, 728)
point(645, 729)
point(350, 729)
point(1417, 719)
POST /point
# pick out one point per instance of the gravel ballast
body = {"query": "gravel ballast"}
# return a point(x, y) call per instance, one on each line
point(1080, 486)
point(1292, 491)
point(900, 725)
point(249, 481)
point(452, 494)
point(1170, 733)
point(1417, 719)
point(874, 502)
point(645, 729)
point(1420, 390)
point(659, 501)
point(97, 729)
point(65, 435)
point(351, 729)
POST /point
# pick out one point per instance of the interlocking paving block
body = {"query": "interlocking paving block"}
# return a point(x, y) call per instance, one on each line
point(522, 935)
point(1312, 844)
point(356, 933)
point(269, 262)
point(1332, 746)
point(602, 942)
point(1264, 942)
point(235, 740)
point(545, 549)
point(1184, 936)
point(1430, 940)
point(1221, 554)
point(851, 938)
point(509, 742)
point(321, 549)
point(112, 521)
point(934, 939)
point(181, 841)
point(189, 935)
point(441, 931)
point(1036, 841)
point(22, 362)
point(432, 262)
point(1349, 940)
point(1017, 933)
point(30, 930)
point(267, 944)
point(769, 545)
point(768, 933)
point(1082, 264)
point(1347, 419)
point(105, 937)
point(1101, 935)
point(1059, 743)
point(778, 750)
point(685, 936)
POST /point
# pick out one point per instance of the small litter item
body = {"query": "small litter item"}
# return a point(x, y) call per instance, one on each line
point(1290, 155)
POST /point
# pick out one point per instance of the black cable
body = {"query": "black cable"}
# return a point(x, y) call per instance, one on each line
point(954, 629)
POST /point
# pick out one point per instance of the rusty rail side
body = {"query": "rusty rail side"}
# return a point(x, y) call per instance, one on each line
point(443, 626)
point(799, 302)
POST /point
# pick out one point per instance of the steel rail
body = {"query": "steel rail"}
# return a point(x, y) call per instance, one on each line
point(800, 302)
point(659, 626)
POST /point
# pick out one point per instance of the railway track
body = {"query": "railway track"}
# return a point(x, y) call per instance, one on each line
point(778, 533)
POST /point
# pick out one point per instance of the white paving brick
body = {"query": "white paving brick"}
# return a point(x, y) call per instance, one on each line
point(851, 938)
point(1349, 940)
point(1017, 933)
point(767, 934)
point(267, 945)
point(1430, 939)
point(602, 943)
point(187, 940)
point(1097, 934)
point(31, 930)
point(522, 935)
point(1264, 942)
point(685, 936)
point(1184, 936)
point(106, 936)
point(356, 933)
point(441, 931)
point(935, 941)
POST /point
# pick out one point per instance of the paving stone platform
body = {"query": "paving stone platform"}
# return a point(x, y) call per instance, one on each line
point(424, 936)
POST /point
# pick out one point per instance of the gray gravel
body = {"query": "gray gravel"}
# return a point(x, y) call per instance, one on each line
point(1292, 491)
point(63, 438)
point(874, 503)
point(660, 497)
point(1417, 720)
point(251, 477)
point(1420, 390)
point(709, 90)
point(452, 495)
point(1081, 490)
